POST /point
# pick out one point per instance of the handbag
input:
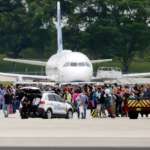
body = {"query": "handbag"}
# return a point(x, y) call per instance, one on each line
point(10, 109)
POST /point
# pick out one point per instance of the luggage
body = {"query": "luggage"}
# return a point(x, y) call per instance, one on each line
point(110, 112)
point(10, 109)
point(91, 104)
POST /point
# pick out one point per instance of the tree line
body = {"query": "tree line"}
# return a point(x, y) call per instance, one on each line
point(99, 28)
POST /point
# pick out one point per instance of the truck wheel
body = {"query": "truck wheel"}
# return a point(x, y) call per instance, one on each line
point(133, 115)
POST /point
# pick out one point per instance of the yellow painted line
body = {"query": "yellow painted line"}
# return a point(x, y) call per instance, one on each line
point(134, 105)
point(131, 103)
point(145, 103)
point(148, 102)
point(138, 105)
point(142, 104)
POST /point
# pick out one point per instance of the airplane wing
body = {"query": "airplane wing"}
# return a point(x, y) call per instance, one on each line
point(146, 74)
point(100, 61)
point(24, 61)
point(43, 63)
point(21, 77)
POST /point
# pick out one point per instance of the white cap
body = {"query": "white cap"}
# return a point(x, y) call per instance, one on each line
point(107, 91)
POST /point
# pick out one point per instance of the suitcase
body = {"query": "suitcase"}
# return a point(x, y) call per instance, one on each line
point(10, 109)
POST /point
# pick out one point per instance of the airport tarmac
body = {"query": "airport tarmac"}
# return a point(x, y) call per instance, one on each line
point(106, 132)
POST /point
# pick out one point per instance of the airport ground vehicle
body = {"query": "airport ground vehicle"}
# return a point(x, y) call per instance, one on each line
point(29, 103)
point(52, 105)
point(138, 105)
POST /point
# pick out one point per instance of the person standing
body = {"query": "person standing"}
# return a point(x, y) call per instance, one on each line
point(82, 104)
point(102, 102)
point(7, 102)
point(67, 96)
point(98, 98)
point(75, 98)
point(1, 101)
point(108, 102)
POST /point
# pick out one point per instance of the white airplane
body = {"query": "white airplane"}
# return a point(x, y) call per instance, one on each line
point(65, 65)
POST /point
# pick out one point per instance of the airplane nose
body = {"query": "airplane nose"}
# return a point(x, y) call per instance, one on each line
point(77, 74)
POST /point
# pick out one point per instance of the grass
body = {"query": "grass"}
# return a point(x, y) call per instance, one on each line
point(19, 68)
point(140, 67)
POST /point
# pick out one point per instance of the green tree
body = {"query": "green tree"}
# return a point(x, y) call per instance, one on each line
point(20, 30)
point(99, 28)
point(111, 28)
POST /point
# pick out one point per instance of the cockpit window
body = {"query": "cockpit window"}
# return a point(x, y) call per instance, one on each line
point(74, 64)
point(66, 64)
point(81, 64)
point(87, 64)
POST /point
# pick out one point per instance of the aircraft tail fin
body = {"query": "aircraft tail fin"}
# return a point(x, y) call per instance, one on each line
point(59, 29)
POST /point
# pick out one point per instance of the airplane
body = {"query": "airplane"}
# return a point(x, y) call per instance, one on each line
point(65, 65)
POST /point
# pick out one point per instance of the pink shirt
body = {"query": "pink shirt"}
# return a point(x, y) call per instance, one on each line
point(74, 97)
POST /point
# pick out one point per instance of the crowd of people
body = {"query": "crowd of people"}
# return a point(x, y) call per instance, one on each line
point(102, 100)
point(8, 101)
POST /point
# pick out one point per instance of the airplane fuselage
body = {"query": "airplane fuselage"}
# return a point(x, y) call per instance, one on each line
point(67, 66)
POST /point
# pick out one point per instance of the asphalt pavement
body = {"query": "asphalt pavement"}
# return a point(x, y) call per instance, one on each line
point(104, 132)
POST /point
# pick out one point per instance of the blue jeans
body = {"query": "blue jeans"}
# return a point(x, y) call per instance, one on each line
point(5, 110)
point(82, 114)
